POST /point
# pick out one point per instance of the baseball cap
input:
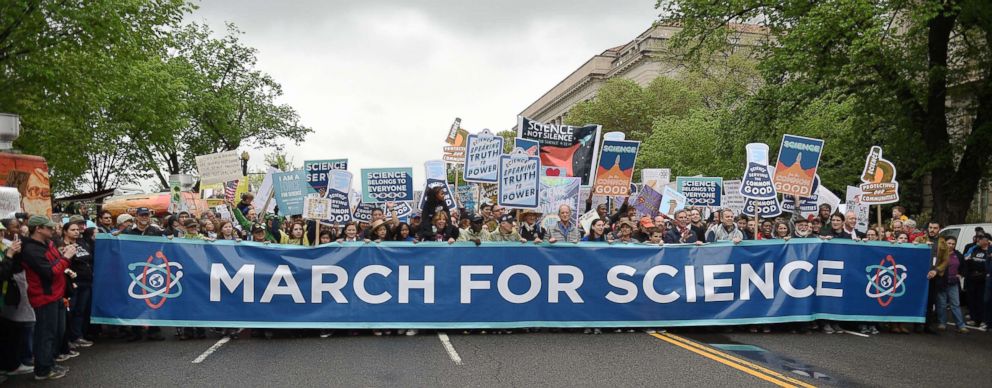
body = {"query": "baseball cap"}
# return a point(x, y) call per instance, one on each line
point(506, 218)
point(257, 228)
point(191, 223)
point(143, 211)
point(75, 219)
point(41, 221)
point(476, 219)
point(646, 222)
point(124, 218)
point(982, 235)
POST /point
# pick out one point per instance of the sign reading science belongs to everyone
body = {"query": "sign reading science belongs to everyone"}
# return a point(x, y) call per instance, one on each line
point(436, 285)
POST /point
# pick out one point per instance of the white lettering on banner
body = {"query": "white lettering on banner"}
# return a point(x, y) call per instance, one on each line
point(719, 282)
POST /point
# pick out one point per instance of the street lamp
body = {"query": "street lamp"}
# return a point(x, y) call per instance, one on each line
point(244, 163)
point(10, 129)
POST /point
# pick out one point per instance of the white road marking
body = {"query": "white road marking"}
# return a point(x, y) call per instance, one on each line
point(856, 333)
point(213, 349)
point(449, 348)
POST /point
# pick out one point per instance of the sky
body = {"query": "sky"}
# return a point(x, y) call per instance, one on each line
point(380, 82)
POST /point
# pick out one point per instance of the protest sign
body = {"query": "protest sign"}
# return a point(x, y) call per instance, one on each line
point(219, 168)
point(455, 152)
point(10, 201)
point(177, 203)
point(879, 177)
point(825, 196)
point(557, 191)
point(757, 180)
point(761, 207)
point(587, 219)
point(519, 180)
point(449, 199)
point(648, 201)
point(223, 213)
point(434, 169)
point(531, 147)
point(453, 131)
point(290, 188)
point(466, 196)
point(488, 193)
point(363, 212)
point(262, 202)
point(317, 171)
point(339, 194)
point(657, 178)
point(402, 209)
point(700, 191)
point(854, 204)
point(798, 158)
point(387, 184)
point(316, 208)
point(807, 204)
point(732, 197)
point(213, 194)
point(616, 167)
point(482, 157)
point(572, 149)
point(672, 201)
point(240, 188)
point(614, 135)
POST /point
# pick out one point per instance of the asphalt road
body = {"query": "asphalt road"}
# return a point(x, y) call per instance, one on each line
point(683, 358)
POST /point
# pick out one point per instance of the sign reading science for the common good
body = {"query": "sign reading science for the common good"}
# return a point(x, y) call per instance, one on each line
point(616, 167)
point(798, 158)
point(700, 191)
point(387, 184)
point(338, 193)
point(482, 157)
point(519, 184)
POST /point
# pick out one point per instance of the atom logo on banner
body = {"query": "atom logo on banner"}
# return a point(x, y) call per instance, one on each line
point(886, 282)
point(155, 280)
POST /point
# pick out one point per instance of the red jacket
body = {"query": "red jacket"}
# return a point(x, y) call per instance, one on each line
point(44, 268)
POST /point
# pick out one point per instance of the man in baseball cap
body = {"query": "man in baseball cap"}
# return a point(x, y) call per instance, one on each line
point(44, 267)
point(474, 232)
point(505, 231)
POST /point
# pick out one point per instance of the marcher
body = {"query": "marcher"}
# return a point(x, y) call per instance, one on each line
point(726, 230)
point(681, 233)
point(506, 232)
point(975, 278)
point(564, 230)
point(945, 277)
point(530, 230)
point(45, 269)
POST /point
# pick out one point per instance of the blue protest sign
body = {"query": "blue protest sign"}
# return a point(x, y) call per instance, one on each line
point(363, 212)
point(338, 192)
point(519, 184)
point(761, 207)
point(290, 188)
point(648, 201)
point(159, 282)
point(700, 191)
point(757, 180)
point(616, 167)
point(556, 191)
point(482, 157)
point(317, 172)
point(387, 184)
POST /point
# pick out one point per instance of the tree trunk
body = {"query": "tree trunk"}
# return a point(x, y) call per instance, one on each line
point(934, 125)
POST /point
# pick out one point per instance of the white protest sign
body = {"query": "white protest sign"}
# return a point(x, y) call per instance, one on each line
point(732, 197)
point(10, 200)
point(223, 212)
point(656, 178)
point(316, 208)
point(672, 201)
point(519, 184)
point(482, 157)
point(264, 193)
point(586, 219)
point(860, 209)
point(219, 168)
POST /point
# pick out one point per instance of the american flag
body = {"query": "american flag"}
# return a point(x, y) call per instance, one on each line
point(229, 189)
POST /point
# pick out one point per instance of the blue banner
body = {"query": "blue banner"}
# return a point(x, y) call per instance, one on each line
point(156, 281)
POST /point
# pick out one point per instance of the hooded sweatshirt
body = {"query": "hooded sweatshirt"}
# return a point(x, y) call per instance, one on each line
point(44, 268)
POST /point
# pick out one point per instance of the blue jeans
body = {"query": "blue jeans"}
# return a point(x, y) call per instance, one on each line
point(988, 301)
point(79, 311)
point(49, 328)
point(949, 295)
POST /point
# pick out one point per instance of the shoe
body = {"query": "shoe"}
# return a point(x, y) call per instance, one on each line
point(376, 333)
point(65, 356)
point(963, 330)
point(752, 330)
point(650, 331)
point(54, 374)
point(83, 343)
point(587, 331)
point(873, 330)
point(21, 370)
point(411, 332)
point(60, 368)
point(766, 329)
point(597, 331)
point(827, 329)
point(863, 329)
point(269, 334)
point(983, 327)
point(326, 333)
point(941, 327)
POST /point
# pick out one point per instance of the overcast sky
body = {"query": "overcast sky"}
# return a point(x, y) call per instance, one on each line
point(381, 81)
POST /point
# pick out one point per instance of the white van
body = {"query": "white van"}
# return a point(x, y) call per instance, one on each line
point(965, 233)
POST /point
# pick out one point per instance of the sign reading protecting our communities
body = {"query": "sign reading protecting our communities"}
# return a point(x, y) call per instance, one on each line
point(616, 167)
point(339, 194)
point(519, 182)
point(290, 188)
point(318, 170)
point(387, 184)
point(568, 150)
point(219, 168)
point(700, 191)
point(482, 157)
point(672, 201)
point(879, 177)
point(503, 285)
point(798, 158)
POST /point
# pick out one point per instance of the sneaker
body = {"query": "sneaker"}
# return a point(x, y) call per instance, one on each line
point(863, 329)
point(587, 331)
point(54, 374)
point(983, 327)
point(873, 330)
point(83, 343)
point(66, 356)
point(963, 330)
point(21, 370)
point(597, 331)
point(827, 329)
point(60, 368)
point(376, 333)
point(650, 331)
point(326, 333)
point(411, 332)
point(941, 327)
point(766, 329)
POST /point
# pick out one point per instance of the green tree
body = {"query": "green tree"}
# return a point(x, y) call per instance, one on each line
point(902, 63)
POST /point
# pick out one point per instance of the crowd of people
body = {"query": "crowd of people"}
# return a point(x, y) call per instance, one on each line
point(47, 267)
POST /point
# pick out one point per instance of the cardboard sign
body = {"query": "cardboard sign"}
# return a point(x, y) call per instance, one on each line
point(223, 212)
point(657, 178)
point(879, 177)
point(387, 184)
point(648, 201)
point(290, 188)
point(316, 208)
point(338, 193)
point(519, 180)
point(854, 204)
point(757, 180)
point(219, 168)
point(264, 193)
point(177, 203)
point(214, 194)
point(732, 198)
point(616, 167)
point(798, 158)
point(317, 172)
point(10, 201)
point(557, 191)
point(671, 201)
point(587, 219)
point(701, 191)
point(482, 157)
point(572, 149)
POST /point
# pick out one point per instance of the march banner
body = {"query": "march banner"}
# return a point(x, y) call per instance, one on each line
point(155, 281)
point(671, 201)
point(616, 167)
point(290, 188)
point(573, 150)
point(557, 191)
point(701, 191)
point(318, 170)
point(339, 194)
point(219, 168)
point(757, 180)
point(798, 158)
point(519, 180)
point(732, 198)
point(482, 157)
point(387, 184)
point(879, 177)
point(647, 202)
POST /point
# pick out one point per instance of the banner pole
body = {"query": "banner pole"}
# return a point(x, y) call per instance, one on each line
point(879, 211)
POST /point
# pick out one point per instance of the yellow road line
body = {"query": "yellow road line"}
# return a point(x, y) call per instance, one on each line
point(733, 362)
